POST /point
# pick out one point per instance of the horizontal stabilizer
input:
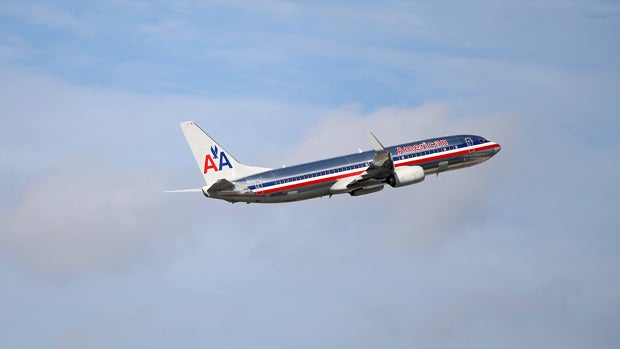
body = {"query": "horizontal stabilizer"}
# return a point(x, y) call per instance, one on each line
point(194, 190)
point(220, 185)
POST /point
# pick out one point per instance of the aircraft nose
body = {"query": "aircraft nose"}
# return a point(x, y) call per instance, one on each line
point(498, 148)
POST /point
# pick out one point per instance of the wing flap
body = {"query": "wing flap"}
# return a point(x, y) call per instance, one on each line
point(381, 167)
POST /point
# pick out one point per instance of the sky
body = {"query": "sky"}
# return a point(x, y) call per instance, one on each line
point(521, 251)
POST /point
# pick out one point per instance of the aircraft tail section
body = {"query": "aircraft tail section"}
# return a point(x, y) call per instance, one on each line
point(213, 160)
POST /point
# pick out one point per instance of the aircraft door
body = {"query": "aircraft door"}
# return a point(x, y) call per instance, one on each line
point(469, 143)
point(258, 187)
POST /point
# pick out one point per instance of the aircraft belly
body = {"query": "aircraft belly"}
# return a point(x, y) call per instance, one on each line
point(296, 194)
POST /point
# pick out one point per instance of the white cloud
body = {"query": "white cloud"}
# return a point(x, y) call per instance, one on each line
point(82, 218)
point(84, 168)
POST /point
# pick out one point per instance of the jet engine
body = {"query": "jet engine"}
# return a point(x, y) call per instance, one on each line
point(405, 176)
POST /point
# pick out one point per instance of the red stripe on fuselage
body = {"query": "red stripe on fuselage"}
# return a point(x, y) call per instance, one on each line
point(316, 181)
point(408, 163)
point(444, 156)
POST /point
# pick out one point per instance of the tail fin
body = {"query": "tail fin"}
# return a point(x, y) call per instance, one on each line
point(212, 159)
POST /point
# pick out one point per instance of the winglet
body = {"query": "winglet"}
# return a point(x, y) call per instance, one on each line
point(375, 142)
point(382, 159)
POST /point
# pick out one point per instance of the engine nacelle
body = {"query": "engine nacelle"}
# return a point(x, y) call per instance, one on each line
point(405, 176)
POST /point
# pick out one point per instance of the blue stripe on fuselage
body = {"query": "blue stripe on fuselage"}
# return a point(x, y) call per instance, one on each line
point(334, 167)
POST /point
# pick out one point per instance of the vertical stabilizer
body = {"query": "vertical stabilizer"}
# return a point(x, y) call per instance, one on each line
point(213, 160)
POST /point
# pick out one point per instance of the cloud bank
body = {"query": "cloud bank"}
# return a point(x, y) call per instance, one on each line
point(80, 218)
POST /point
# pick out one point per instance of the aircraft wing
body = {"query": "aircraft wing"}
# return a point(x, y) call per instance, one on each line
point(382, 164)
point(381, 167)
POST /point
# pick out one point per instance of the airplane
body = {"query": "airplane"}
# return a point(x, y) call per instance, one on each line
point(355, 174)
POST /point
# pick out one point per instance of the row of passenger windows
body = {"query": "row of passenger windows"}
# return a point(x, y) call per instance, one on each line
point(364, 165)
point(323, 173)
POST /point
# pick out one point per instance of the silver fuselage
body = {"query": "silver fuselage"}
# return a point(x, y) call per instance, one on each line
point(315, 179)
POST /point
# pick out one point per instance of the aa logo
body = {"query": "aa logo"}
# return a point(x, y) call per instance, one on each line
point(217, 155)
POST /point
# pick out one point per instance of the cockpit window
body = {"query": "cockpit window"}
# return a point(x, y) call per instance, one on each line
point(482, 140)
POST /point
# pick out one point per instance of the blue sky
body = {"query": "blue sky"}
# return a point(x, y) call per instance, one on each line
point(521, 251)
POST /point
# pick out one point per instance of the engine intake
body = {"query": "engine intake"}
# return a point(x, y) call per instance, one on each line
point(405, 176)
